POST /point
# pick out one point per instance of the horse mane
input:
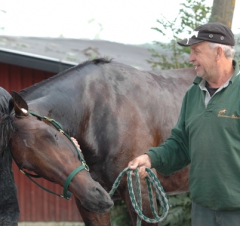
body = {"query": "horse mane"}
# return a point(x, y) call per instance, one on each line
point(6, 127)
point(95, 61)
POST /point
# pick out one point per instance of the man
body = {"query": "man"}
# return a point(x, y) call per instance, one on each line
point(207, 133)
point(9, 209)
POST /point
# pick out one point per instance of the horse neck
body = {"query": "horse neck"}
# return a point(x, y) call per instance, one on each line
point(59, 101)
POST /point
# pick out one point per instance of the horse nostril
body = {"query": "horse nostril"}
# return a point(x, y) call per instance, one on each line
point(98, 191)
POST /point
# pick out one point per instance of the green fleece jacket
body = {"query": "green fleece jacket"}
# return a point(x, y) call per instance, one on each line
point(207, 138)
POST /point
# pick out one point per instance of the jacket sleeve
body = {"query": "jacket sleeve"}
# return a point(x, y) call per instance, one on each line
point(173, 154)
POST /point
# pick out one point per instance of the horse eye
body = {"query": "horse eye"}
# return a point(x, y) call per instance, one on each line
point(56, 136)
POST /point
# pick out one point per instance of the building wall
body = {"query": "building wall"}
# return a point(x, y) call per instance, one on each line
point(35, 203)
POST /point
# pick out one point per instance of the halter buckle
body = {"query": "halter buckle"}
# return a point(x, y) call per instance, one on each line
point(48, 119)
point(85, 166)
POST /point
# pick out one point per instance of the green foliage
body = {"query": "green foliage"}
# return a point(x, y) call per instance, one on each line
point(179, 212)
point(192, 13)
point(120, 215)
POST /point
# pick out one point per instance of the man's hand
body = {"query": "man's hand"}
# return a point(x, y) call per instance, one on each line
point(76, 143)
point(142, 162)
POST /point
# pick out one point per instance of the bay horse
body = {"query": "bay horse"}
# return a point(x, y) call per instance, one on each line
point(115, 112)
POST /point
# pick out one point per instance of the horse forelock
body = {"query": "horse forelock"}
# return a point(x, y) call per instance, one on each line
point(6, 130)
point(95, 61)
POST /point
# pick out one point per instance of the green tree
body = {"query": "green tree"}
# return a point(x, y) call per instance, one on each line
point(192, 13)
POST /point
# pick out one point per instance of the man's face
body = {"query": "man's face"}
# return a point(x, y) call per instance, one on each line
point(204, 60)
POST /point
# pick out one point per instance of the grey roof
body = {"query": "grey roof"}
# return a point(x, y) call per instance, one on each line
point(54, 54)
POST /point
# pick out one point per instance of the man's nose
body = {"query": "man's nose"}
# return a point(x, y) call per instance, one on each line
point(191, 58)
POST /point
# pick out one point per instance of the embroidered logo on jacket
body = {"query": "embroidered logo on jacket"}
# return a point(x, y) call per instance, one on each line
point(222, 113)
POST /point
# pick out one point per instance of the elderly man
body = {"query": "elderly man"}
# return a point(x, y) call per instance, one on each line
point(9, 210)
point(207, 134)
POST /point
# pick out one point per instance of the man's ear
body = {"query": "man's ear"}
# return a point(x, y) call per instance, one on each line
point(219, 52)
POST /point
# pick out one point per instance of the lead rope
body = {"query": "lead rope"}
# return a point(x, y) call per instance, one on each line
point(152, 181)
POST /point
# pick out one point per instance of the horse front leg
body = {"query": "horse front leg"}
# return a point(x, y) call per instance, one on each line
point(93, 218)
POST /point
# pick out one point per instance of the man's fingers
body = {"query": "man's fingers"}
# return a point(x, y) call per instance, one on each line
point(76, 143)
point(133, 164)
point(142, 172)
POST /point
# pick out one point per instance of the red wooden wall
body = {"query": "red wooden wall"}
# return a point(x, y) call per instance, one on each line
point(35, 204)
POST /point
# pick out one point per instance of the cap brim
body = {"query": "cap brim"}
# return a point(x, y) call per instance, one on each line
point(189, 42)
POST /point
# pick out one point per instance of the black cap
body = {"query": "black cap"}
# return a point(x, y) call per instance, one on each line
point(212, 32)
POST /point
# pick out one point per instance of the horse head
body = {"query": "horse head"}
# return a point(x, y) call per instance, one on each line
point(37, 145)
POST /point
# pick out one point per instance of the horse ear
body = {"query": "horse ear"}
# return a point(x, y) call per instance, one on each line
point(20, 105)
